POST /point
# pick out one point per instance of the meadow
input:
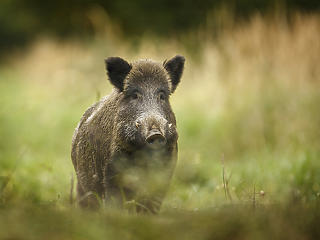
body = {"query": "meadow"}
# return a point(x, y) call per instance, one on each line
point(248, 116)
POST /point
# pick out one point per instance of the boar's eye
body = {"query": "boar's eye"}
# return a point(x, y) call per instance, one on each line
point(162, 96)
point(135, 95)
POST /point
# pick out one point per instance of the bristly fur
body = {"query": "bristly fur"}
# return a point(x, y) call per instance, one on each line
point(147, 70)
point(110, 142)
point(118, 70)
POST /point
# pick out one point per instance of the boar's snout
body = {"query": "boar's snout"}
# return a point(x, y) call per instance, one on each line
point(155, 139)
point(153, 131)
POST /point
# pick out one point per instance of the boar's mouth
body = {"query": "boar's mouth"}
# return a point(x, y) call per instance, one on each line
point(155, 140)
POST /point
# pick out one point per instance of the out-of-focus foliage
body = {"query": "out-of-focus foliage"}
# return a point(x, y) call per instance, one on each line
point(252, 97)
point(248, 118)
point(23, 20)
point(229, 222)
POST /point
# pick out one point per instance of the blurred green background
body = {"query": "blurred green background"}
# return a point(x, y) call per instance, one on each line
point(247, 112)
point(24, 20)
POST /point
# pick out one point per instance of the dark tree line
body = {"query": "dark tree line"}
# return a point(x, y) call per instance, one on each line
point(22, 20)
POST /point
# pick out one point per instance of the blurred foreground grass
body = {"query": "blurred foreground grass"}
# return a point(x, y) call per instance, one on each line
point(248, 105)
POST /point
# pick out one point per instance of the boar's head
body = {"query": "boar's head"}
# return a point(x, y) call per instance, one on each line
point(144, 116)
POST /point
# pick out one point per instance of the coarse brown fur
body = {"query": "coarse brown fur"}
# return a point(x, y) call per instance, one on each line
point(109, 140)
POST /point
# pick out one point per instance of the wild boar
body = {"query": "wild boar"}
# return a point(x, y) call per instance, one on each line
point(124, 148)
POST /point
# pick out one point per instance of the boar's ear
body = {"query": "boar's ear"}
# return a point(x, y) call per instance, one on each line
point(175, 68)
point(117, 70)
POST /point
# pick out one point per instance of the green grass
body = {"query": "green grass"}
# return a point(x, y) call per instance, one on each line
point(248, 111)
point(229, 222)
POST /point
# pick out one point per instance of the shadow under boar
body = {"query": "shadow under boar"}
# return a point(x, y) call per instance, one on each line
point(124, 149)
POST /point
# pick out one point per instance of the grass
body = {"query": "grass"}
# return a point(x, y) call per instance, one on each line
point(248, 119)
point(230, 222)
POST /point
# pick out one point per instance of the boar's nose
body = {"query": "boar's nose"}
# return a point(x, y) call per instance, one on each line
point(155, 139)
